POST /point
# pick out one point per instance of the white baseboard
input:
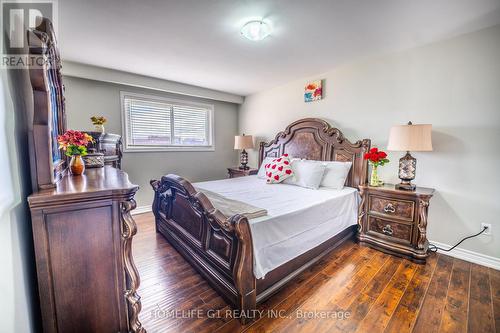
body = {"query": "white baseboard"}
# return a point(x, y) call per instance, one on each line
point(141, 209)
point(467, 255)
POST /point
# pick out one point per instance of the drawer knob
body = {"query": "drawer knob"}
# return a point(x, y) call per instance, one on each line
point(387, 230)
point(389, 208)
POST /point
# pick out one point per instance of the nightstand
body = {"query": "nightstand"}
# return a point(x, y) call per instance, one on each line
point(395, 221)
point(237, 172)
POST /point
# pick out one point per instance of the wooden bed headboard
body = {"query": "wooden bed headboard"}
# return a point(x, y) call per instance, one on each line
point(315, 139)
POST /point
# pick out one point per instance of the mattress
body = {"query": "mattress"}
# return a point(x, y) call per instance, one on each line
point(298, 219)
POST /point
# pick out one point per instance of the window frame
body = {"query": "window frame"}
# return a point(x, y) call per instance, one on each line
point(127, 147)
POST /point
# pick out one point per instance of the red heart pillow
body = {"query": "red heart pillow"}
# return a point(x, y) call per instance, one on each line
point(278, 170)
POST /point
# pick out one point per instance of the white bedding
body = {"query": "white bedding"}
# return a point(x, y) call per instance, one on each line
point(298, 219)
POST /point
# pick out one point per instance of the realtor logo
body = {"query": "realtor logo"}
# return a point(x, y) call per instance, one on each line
point(17, 18)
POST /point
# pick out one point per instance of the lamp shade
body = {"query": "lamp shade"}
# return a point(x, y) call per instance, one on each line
point(243, 142)
point(410, 138)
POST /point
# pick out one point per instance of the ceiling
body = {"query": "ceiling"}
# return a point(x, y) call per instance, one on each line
point(198, 41)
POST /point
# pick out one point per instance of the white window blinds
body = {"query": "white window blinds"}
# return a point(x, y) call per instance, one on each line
point(160, 123)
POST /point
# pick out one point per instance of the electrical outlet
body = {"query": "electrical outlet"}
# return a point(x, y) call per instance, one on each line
point(488, 231)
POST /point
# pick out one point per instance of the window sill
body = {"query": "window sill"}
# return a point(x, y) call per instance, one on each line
point(167, 149)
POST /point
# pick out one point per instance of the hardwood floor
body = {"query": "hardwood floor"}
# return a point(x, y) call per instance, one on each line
point(375, 292)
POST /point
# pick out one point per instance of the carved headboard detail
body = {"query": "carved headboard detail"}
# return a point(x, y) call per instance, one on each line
point(315, 139)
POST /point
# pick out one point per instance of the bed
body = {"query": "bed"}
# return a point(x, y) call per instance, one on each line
point(247, 261)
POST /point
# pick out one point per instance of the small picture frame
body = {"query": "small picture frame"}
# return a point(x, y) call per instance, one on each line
point(313, 91)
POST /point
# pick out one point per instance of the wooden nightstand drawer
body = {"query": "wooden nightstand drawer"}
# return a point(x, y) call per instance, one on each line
point(401, 209)
point(397, 231)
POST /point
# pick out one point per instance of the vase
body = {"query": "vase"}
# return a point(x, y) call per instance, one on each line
point(99, 128)
point(76, 165)
point(374, 180)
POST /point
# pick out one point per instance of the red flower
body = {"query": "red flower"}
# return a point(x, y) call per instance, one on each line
point(376, 157)
point(317, 92)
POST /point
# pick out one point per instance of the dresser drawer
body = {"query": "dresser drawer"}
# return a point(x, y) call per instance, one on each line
point(397, 231)
point(401, 209)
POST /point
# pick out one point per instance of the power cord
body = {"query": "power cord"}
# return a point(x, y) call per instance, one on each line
point(434, 248)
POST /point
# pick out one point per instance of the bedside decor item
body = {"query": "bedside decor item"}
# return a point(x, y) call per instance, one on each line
point(98, 122)
point(74, 144)
point(313, 91)
point(376, 158)
point(409, 138)
point(395, 221)
point(243, 142)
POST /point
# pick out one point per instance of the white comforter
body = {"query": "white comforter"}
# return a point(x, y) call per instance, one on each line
point(298, 218)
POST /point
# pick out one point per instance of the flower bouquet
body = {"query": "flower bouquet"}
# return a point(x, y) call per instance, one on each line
point(376, 158)
point(74, 144)
point(98, 122)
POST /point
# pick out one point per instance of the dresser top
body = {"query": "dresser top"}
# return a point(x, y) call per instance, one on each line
point(419, 191)
point(95, 182)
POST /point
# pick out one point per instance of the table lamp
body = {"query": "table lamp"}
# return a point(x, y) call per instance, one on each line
point(243, 142)
point(409, 138)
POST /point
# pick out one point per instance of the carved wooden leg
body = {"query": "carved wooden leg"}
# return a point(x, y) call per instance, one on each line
point(422, 225)
point(361, 211)
point(248, 306)
point(133, 280)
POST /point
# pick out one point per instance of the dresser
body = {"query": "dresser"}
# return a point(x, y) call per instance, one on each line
point(395, 221)
point(82, 227)
point(82, 233)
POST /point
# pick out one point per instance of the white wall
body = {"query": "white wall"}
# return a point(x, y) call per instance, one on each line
point(19, 307)
point(85, 98)
point(454, 85)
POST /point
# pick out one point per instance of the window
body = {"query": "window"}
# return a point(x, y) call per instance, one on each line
point(154, 123)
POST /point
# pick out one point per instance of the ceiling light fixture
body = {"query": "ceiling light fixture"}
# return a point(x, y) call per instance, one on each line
point(256, 30)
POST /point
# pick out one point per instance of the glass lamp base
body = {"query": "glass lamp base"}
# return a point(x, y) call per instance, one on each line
point(243, 160)
point(407, 169)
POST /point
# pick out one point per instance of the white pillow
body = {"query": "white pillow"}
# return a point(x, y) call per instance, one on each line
point(306, 174)
point(335, 174)
point(262, 170)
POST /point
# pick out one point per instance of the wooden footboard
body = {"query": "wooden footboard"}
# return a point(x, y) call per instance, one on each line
point(219, 248)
